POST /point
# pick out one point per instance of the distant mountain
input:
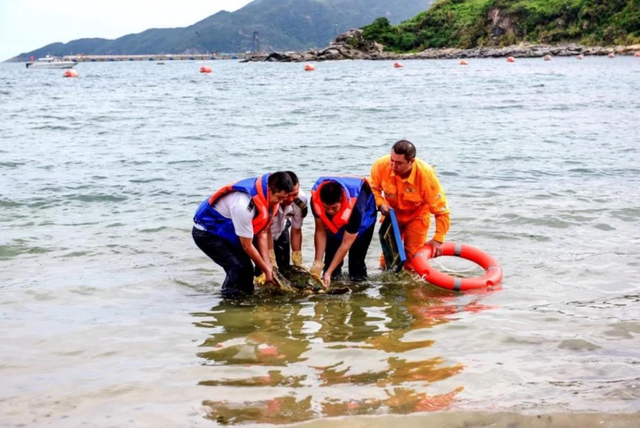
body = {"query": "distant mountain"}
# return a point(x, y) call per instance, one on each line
point(282, 25)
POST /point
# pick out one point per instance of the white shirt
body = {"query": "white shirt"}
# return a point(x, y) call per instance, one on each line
point(290, 212)
point(235, 206)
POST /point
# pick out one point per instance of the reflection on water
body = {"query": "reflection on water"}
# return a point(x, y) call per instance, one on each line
point(323, 346)
point(287, 410)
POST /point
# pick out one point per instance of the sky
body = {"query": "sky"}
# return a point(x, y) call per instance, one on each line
point(26, 25)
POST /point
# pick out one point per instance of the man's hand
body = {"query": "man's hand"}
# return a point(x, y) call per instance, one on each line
point(316, 268)
point(296, 258)
point(436, 248)
point(268, 277)
point(384, 209)
point(326, 279)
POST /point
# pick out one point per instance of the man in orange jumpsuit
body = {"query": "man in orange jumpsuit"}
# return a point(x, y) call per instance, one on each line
point(411, 187)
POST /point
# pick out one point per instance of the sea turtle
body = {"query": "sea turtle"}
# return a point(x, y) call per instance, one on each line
point(299, 280)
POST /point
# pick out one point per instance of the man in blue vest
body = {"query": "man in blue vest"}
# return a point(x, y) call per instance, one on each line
point(230, 224)
point(345, 214)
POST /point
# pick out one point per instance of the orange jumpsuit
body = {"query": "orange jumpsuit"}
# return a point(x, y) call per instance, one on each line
point(414, 199)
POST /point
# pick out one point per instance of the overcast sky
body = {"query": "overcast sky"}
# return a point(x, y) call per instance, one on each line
point(26, 25)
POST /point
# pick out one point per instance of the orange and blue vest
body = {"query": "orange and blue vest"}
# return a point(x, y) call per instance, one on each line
point(218, 225)
point(351, 188)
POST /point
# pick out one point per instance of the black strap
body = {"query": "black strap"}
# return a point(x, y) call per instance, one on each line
point(302, 205)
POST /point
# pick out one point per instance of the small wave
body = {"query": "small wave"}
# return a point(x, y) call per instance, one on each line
point(42, 203)
point(188, 161)
point(195, 138)
point(137, 162)
point(8, 252)
point(627, 214)
point(583, 170)
point(74, 254)
point(280, 124)
point(506, 107)
point(551, 222)
point(53, 128)
point(97, 198)
point(153, 230)
point(149, 180)
point(605, 227)
point(6, 203)
point(11, 164)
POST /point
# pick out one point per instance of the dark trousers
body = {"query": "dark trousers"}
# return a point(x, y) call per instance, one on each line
point(357, 254)
point(282, 248)
point(235, 262)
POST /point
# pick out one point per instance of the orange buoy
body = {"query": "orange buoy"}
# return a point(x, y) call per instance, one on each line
point(492, 276)
point(580, 56)
point(309, 67)
point(637, 54)
point(398, 65)
point(205, 69)
point(463, 62)
point(511, 59)
point(71, 73)
point(611, 55)
point(547, 57)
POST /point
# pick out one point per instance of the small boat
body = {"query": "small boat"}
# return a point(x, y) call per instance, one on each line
point(51, 62)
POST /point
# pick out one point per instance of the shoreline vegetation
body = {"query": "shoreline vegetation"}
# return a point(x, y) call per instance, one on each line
point(452, 29)
point(352, 45)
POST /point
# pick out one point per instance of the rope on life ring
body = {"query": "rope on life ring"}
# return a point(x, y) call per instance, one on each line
point(492, 276)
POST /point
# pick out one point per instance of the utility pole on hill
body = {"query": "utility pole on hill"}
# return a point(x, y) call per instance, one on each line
point(256, 42)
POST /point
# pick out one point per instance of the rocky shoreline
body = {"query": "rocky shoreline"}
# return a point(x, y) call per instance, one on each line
point(351, 45)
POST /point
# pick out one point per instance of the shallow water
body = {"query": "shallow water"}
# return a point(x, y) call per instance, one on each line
point(111, 315)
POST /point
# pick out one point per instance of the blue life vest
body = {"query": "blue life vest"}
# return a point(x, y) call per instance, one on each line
point(351, 188)
point(218, 225)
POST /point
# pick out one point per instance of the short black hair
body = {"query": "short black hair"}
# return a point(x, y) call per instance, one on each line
point(406, 148)
point(331, 193)
point(280, 181)
point(294, 177)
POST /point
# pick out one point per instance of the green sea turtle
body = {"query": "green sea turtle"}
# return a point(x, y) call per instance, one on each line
point(299, 280)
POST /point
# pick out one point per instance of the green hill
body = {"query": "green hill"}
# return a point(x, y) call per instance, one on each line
point(468, 24)
point(282, 25)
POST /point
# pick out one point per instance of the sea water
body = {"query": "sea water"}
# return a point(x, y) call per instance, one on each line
point(111, 316)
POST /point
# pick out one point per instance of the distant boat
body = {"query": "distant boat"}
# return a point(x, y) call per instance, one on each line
point(50, 62)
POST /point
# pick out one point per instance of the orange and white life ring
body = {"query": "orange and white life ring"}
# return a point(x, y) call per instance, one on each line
point(492, 276)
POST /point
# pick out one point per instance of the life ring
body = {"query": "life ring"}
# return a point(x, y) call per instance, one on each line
point(492, 276)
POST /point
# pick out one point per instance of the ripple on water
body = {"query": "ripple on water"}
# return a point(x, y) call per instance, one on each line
point(7, 203)
point(8, 252)
point(186, 161)
point(11, 165)
point(604, 227)
point(153, 230)
point(146, 180)
point(626, 214)
point(99, 197)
